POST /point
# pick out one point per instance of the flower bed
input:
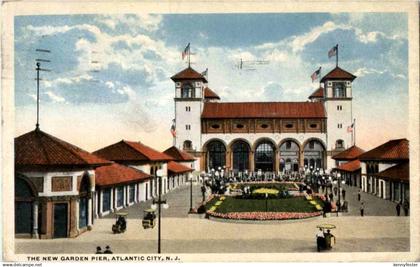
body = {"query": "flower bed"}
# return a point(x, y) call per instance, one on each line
point(264, 215)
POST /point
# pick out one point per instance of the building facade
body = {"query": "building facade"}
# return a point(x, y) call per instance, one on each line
point(54, 187)
point(266, 136)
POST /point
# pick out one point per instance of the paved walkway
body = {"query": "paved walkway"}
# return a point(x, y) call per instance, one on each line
point(373, 205)
point(177, 199)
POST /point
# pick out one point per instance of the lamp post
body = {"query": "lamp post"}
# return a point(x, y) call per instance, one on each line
point(339, 198)
point(191, 193)
point(203, 187)
point(159, 203)
point(266, 202)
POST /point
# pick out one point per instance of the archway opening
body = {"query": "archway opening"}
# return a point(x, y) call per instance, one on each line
point(216, 155)
point(24, 198)
point(289, 156)
point(240, 150)
point(84, 190)
point(264, 157)
point(314, 153)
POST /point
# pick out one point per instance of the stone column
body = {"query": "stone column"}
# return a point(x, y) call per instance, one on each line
point(89, 207)
point(251, 161)
point(35, 220)
point(276, 160)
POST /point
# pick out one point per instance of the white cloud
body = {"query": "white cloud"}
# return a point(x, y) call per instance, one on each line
point(54, 97)
point(361, 72)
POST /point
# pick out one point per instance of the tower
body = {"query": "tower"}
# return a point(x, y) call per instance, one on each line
point(189, 96)
point(338, 106)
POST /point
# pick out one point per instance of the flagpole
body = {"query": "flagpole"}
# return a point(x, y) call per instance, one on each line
point(336, 57)
point(354, 131)
point(189, 55)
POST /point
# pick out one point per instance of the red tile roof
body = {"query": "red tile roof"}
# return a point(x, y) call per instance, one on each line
point(178, 155)
point(37, 149)
point(349, 154)
point(350, 166)
point(116, 174)
point(319, 93)
point(392, 150)
point(175, 167)
point(131, 151)
point(263, 110)
point(338, 74)
point(208, 93)
point(188, 73)
point(400, 172)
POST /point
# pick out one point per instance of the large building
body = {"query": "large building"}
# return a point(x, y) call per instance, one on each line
point(266, 136)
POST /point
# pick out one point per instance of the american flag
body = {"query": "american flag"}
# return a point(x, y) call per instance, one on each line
point(186, 51)
point(316, 74)
point(333, 51)
point(350, 128)
point(173, 128)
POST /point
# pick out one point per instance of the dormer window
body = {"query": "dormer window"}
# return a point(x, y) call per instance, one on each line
point(187, 91)
point(339, 89)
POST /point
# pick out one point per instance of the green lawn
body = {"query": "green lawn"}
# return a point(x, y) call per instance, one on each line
point(295, 204)
point(278, 186)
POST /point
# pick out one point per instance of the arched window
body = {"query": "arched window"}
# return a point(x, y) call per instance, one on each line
point(314, 153)
point(216, 152)
point(187, 91)
point(264, 157)
point(289, 153)
point(240, 156)
point(83, 201)
point(339, 143)
point(339, 89)
point(187, 145)
point(23, 207)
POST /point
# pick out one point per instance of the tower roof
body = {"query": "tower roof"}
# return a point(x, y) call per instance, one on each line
point(178, 155)
point(392, 150)
point(187, 74)
point(338, 74)
point(349, 154)
point(209, 94)
point(318, 93)
point(131, 151)
point(37, 149)
point(213, 110)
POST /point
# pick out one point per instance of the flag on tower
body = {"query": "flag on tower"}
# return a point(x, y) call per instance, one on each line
point(333, 51)
point(316, 74)
point(173, 128)
point(205, 73)
point(186, 51)
point(350, 128)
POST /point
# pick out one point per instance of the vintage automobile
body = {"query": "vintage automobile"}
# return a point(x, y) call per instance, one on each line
point(121, 224)
point(149, 218)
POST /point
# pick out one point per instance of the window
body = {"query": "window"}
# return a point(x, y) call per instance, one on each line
point(313, 125)
point(187, 108)
point(187, 145)
point(311, 144)
point(289, 125)
point(239, 126)
point(106, 199)
point(339, 89)
point(120, 196)
point(339, 144)
point(215, 126)
point(264, 126)
point(339, 107)
point(187, 91)
point(187, 127)
point(132, 190)
point(288, 145)
point(340, 125)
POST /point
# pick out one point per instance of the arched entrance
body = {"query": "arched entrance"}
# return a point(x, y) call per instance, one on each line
point(24, 200)
point(240, 155)
point(289, 156)
point(264, 156)
point(216, 155)
point(84, 190)
point(314, 154)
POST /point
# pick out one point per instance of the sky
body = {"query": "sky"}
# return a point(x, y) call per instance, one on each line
point(110, 74)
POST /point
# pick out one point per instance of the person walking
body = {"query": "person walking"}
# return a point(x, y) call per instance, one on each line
point(398, 208)
point(358, 195)
point(406, 206)
point(320, 239)
point(362, 209)
point(98, 250)
point(107, 250)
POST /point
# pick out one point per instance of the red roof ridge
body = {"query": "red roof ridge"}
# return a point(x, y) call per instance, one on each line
point(188, 73)
point(317, 93)
point(133, 143)
point(338, 73)
point(208, 93)
point(350, 153)
point(178, 154)
point(177, 167)
point(395, 149)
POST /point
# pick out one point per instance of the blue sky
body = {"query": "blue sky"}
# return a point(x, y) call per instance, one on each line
point(110, 75)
